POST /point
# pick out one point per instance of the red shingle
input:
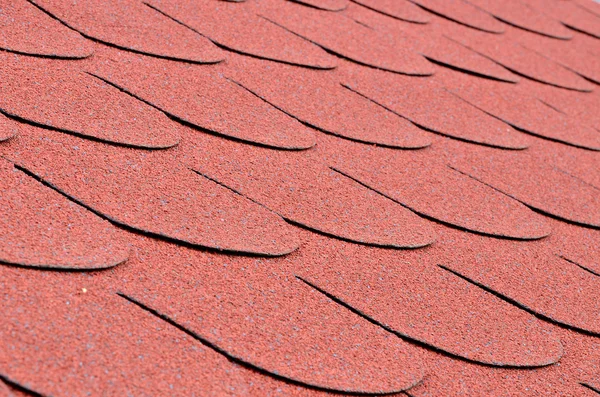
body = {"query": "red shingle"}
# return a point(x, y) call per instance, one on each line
point(299, 197)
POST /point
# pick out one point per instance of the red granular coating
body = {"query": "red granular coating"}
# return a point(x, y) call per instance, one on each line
point(8, 128)
point(133, 26)
point(426, 185)
point(516, 106)
point(58, 96)
point(27, 30)
point(240, 28)
point(464, 13)
point(436, 47)
point(326, 5)
point(582, 164)
point(570, 15)
point(41, 228)
point(66, 336)
point(577, 105)
point(204, 98)
point(529, 275)
point(450, 377)
point(589, 5)
point(256, 311)
point(318, 99)
point(399, 9)
point(407, 293)
point(535, 183)
point(515, 57)
point(256, 243)
point(576, 244)
point(573, 54)
point(429, 105)
point(305, 191)
point(346, 38)
point(161, 197)
point(522, 15)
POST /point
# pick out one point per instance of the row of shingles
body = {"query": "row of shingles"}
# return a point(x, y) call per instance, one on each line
point(568, 295)
point(55, 158)
point(209, 163)
point(45, 249)
point(302, 190)
point(320, 257)
point(578, 208)
point(508, 53)
point(128, 160)
point(534, 272)
point(551, 124)
point(145, 30)
point(494, 97)
point(26, 30)
point(462, 201)
point(227, 172)
point(478, 66)
point(530, 276)
point(65, 335)
point(347, 364)
point(511, 55)
point(130, 349)
point(457, 318)
point(572, 376)
point(495, 279)
point(58, 154)
point(40, 227)
point(348, 368)
point(434, 46)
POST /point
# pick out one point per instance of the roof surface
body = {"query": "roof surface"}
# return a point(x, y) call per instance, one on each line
point(307, 197)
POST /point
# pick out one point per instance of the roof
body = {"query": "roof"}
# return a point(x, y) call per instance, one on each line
point(308, 197)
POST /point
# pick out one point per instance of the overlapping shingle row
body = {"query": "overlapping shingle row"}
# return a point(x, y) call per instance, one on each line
point(307, 197)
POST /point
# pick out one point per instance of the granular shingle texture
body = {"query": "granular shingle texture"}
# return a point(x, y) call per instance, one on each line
point(299, 198)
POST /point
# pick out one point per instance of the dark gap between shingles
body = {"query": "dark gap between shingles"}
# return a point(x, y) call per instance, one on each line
point(324, 131)
point(238, 360)
point(432, 219)
point(341, 56)
point(452, 19)
point(467, 71)
point(410, 339)
point(387, 15)
point(62, 269)
point(80, 135)
point(47, 56)
point(306, 227)
point(106, 43)
point(424, 128)
point(20, 387)
point(537, 210)
point(308, 5)
point(529, 30)
point(142, 232)
point(578, 265)
point(233, 50)
point(592, 388)
point(189, 124)
point(576, 29)
point(519, 305)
